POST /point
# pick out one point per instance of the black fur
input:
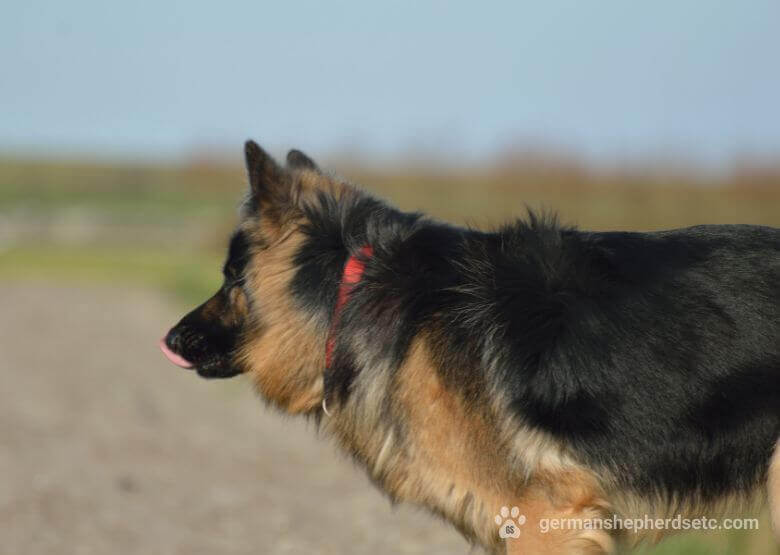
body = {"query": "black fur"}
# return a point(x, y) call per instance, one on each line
point(237, 259)
point(655, 356)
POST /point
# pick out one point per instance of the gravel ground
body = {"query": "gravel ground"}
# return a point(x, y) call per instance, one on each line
point(107, 448)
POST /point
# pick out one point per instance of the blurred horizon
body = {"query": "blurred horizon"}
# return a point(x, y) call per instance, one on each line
point(523, 162)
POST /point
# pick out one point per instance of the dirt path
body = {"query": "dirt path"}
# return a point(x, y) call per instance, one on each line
point(106, 448)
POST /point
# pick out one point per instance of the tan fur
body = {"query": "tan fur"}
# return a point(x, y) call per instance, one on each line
point(286, 353)
point(307, 183)
point(452, 461)
point(451, 455)
point(773, 487)
point(286, 357)
point(230, 313)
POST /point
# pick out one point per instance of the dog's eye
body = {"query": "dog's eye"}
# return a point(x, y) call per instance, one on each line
point(232, 276)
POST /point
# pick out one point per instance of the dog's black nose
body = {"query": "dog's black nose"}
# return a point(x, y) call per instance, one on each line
point(170, 345)
point(173, 339)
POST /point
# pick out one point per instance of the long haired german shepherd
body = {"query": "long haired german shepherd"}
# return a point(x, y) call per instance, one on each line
point(570, 374)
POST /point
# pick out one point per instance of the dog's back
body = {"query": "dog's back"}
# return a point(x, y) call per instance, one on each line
point(665, 365)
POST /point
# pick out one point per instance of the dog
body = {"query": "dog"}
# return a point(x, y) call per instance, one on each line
point(570, 374)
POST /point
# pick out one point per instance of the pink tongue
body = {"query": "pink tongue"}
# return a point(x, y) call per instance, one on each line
point(178, 360)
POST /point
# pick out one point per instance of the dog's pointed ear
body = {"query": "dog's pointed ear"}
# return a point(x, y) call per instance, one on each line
point(265, 175)
point(299, 161)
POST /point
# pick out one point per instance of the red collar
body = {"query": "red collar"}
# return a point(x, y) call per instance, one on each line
point(353, 272)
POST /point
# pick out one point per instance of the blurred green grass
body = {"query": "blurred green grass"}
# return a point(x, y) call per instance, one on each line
point(188, 277)
point(714, 543)
point(165, 227)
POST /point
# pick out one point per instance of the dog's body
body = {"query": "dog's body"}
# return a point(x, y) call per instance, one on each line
point(571, 374)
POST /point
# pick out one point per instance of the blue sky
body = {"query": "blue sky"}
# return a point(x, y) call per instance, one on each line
point(608, 79)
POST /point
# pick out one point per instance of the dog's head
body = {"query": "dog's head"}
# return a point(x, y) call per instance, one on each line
point(270, 317)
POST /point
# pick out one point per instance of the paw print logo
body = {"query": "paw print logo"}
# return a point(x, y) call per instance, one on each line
point(509, 527)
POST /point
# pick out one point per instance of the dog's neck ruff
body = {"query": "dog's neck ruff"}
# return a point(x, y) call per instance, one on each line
point(353, 273)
